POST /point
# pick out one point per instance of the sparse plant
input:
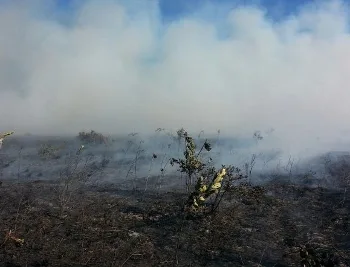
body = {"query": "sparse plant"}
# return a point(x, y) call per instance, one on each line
point(48, 151)
point(77, 171)
point(163, 165)
point(249, 166)
point(200, 134)
point(19, 162)
point(92, 137)
point(202, 191)
point(193, 166)
point(258, 136)
point(180, 135)
point(133, 166)
point(289, 166)
point(154, 156)
point(340, 172)
point(3, 136)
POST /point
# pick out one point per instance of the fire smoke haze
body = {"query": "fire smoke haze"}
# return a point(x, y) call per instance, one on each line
point(117, 68)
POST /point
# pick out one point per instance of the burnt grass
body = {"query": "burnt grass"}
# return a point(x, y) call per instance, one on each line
point(105, 226)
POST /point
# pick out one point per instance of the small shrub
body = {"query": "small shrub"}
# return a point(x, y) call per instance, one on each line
point(47, 151)
point(92, 137)
point(205, 188)
point(191, 164)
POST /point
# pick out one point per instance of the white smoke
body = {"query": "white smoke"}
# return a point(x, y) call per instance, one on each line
point(118, 68)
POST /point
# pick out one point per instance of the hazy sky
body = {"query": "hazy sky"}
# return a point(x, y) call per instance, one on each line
point(122, 66)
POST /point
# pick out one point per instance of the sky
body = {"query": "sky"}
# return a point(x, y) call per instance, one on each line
point(171, 10)
point(137, 65)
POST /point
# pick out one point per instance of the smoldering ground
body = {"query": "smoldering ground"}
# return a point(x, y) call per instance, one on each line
point(144, 163)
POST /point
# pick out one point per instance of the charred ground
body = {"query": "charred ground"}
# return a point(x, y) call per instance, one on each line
point(49, 218)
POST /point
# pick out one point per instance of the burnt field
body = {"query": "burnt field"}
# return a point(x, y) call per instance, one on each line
point(122, 201)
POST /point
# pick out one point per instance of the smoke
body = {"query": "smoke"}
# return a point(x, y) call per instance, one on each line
point(117, 67)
